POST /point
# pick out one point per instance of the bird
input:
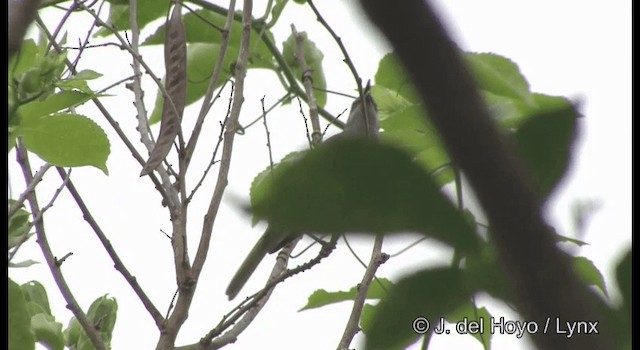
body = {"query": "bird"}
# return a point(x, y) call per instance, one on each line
point(362, 122)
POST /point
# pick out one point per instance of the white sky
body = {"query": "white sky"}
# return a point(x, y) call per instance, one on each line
point(579, 49)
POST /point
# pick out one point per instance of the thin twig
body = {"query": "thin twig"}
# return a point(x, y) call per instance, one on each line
point(229, 135)
point(185, 297)
point(347, 58)
point(251, 310)
point(112, 85)
point(83, 45)
point(257, 300)
point(307, 81)
point(206, 102)
point(278, 275)
point(52, 262)
point(293, 86)
point(62, 21)
point(217, 147)
point(306, 125)
point(39, 217)
point(403, 250)
point(266, 130)
point(118, 264)
point(353, 252)
point(272, 107)
point(377, 259)
point(36, 180)
point(113, 123)
point(171, 196)
point(125, 45)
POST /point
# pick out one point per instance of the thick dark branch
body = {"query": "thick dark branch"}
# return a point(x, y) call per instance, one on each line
point(21, 14)
point(541, 276)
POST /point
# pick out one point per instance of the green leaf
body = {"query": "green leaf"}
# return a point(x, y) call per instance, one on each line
point(54, 103)
point(367, 317)
point(201, 28)
point(203, 50)
point(87, 74)
point(102, 314)
point(262, 182)
point(499, 75)
point(24, 60)
point(391, 75)
point(544, 141)
point(485, 272)
point(313, 56)
point(21, 336)
point(67, 140)
point(361, 186)
point(199, 70)
point(377, 290)
point(431, 293)
point(405, 120)
point(406, 125)
point(47, 331)
point(589, 273)
point(561, 238)
point(276, 11)
point(79, 81)
point(148, 10)
point(623, 278)
point(17, 229)
point(34, 292)
point(25, 263)
point(470, 317)
point(508, 112)
point(581, 211)
point(622, 316)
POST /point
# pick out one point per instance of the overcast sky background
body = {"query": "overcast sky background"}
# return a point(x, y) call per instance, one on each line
point(578, 49)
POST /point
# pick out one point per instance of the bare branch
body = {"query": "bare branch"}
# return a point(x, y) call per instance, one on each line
point(254, 303)
point(272, 107)
point(217, 69)
point(32, 185)
point(338, 40)
point(117, 129)
point(266, 130)
point(293, 86)
point(252, 309)
point(37, 218)
point(307, 80)
point(52, 262)
point(377, 258)
point(179, 315)
point(229, 135)
point(118, 264)
point(217, 147)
